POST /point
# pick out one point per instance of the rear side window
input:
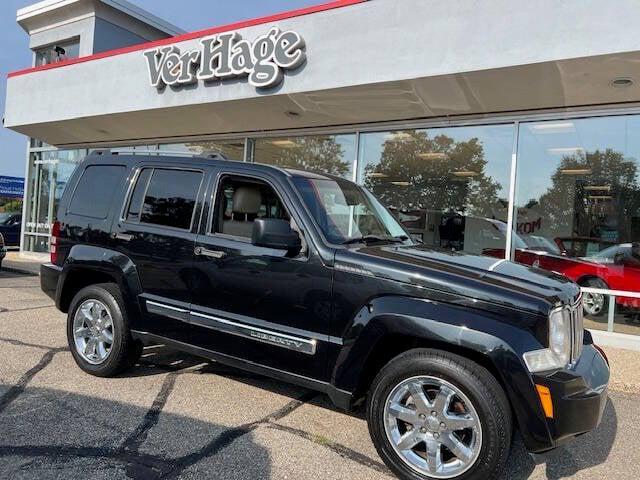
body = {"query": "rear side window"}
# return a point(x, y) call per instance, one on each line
point(135, 205)
point(171, 198)
point(95, 191)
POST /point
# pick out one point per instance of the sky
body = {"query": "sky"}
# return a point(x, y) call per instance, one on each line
point(189, 15)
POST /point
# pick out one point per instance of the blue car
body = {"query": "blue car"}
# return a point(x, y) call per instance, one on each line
point(10, 227)
point(3, 250)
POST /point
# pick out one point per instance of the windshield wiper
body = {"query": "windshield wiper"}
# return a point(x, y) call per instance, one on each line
point(374, 239)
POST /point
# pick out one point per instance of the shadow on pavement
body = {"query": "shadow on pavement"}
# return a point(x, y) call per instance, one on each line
point(583, 452)
point(49, 434)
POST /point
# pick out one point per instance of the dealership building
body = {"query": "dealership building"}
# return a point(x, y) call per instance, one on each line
point(507, 128)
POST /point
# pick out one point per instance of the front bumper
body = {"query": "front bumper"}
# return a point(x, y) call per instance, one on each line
point(579, 397)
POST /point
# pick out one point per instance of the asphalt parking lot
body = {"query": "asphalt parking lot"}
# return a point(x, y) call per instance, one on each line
point(177, 416)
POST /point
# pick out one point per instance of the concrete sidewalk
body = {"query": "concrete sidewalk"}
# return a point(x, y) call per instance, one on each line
point(20, 263)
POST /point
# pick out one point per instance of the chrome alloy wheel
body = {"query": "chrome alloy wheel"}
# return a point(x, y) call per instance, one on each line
point(593, 303)
point(93, 331)
point(433, 427)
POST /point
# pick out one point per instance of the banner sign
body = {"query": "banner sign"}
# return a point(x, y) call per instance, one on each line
point(11, 187)
point(227, 56)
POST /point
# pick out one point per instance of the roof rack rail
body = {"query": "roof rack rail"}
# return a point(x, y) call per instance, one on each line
point(160, 153)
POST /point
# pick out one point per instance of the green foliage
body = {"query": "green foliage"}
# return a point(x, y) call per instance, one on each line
point(429, 166)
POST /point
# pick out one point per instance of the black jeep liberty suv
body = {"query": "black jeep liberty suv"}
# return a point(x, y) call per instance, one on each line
point(308, 278)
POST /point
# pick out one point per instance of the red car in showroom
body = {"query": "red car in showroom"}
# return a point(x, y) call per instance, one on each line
point(614, 268)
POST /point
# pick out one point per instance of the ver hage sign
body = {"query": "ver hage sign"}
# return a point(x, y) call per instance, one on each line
point(227, 56)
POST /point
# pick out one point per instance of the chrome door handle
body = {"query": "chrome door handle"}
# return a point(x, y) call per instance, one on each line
point(205, 252)
point(125, 237)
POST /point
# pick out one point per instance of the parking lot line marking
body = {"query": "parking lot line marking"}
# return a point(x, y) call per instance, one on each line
point(17, 389)
point(338, 448)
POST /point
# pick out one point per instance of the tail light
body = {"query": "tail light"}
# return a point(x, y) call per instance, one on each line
point(53, 242)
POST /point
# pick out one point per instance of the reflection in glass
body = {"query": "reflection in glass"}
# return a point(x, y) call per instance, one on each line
point(332, 154)
point(578, 188)
point(231, 149)
point(49, 172)
point(447, 186)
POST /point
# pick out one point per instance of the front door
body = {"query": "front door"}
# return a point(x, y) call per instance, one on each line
point(255, 303)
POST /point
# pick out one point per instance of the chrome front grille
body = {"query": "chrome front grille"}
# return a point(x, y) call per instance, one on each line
point(576, 315)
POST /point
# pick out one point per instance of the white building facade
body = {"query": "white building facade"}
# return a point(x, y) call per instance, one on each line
point(503, 128)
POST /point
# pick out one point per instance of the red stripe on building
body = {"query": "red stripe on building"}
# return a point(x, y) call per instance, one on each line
point(193, 35)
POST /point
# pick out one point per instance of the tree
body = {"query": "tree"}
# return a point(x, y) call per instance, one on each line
point(419, 172)
point(315, 154)
point(573, 210)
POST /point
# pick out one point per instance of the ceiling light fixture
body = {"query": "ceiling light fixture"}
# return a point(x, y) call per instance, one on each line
point(552, 127)
point(600, 197)
point(398, 136)
point(401, 184)
point(376, 175)
point(565, 150)
point(576, 171)
point(466, 174)
point(621, 82)
point(433, 156)
point(284, 143)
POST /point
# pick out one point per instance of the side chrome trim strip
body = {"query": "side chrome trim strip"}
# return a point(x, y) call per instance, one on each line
point(290, 342)
point(167, 310)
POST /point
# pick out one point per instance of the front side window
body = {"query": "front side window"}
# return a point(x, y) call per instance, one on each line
point(347, 213)
point(170, 198)
point(240, 201)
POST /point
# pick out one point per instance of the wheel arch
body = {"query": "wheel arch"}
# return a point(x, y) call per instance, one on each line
point(590, 276)
point(89, 265)
point(388, 327)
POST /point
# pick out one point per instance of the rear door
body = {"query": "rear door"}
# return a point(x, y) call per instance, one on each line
point(157, 231)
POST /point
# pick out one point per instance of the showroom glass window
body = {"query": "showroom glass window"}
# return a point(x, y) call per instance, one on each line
point(49, 172)
point(231, 149)
point(333, 154)
point(577, 206)
point(449, 187)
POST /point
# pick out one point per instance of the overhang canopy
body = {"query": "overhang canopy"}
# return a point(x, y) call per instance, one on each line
point(372, 61)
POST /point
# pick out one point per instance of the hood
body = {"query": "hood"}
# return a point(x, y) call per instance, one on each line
point(473, 276)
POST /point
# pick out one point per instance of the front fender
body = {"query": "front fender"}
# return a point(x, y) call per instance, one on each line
point(499, 340)
point(89, 260)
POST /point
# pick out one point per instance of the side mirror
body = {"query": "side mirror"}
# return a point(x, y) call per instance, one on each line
point(276, 234)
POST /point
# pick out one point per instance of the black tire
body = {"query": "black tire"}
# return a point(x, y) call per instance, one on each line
point(482, 389)
point(125, 351)
point(590, 310)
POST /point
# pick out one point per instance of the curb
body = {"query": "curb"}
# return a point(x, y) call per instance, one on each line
point(19, 271)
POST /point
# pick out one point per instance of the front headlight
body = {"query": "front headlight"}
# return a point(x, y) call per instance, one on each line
point(558, 355)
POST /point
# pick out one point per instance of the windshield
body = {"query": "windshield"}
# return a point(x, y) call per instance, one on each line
point(611, 252)
point(527, 242)
point(346, 212)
